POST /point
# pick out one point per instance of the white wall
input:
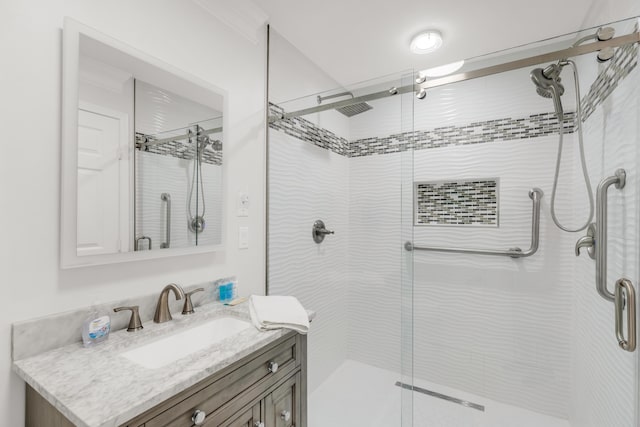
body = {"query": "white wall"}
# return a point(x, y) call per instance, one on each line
point(294, 80)
point(173, 31)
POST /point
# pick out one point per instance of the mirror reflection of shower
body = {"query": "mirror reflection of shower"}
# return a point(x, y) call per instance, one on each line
point(548, 85)
point(202, 139)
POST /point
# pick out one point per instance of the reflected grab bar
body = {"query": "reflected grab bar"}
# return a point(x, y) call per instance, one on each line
point(167, 198)
point(535, 194)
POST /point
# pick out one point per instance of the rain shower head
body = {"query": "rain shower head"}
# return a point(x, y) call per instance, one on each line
point(353, 109)
point(347, 110)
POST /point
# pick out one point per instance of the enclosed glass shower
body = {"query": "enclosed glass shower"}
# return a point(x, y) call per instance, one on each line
point(448, 295)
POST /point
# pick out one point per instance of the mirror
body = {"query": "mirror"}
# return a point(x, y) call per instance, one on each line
point(142, 155)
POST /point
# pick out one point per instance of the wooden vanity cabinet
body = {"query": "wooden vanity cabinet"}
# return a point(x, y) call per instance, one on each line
point(264, 389)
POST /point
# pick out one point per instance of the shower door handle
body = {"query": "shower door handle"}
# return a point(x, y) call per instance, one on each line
point(166, 197)
point(625, 295)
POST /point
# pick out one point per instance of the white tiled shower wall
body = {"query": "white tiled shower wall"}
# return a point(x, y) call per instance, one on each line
point(157, 174)
point(496, 327)
point(493, 326)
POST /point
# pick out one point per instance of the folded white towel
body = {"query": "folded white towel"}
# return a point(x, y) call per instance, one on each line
point(276, 312)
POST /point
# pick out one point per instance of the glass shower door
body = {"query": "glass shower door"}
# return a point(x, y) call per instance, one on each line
point(333, 165)
point(500, 338)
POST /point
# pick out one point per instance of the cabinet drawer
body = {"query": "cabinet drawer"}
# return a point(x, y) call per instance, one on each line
point(214, 395)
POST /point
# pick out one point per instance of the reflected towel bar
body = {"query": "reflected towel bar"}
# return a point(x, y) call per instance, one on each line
point(535, 194)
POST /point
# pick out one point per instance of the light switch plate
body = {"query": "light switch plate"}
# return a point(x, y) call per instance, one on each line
point(243, 238)
point(243, 204)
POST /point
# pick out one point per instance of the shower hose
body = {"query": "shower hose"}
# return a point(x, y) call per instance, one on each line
point(583, 162)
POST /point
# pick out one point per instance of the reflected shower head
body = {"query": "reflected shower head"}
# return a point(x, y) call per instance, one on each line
point(548, 84)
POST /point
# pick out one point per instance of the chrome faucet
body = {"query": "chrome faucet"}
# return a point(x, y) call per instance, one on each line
point(163, 314)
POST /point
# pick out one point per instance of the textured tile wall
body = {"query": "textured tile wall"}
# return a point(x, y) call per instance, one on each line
point(470, 202)
point(501, 129)
point(619, 67)
point(304, 130)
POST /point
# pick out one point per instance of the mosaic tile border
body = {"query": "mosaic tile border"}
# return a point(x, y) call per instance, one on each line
point(304, 130)
point(183, 151)
point(470, 202)
point(503, 129)
point(621, 65)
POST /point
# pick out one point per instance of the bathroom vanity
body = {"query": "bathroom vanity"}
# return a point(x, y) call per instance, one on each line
point(250, 378)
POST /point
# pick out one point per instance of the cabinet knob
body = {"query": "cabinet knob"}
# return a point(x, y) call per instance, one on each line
point(273, 367)
point(258, 424)
point(198, 417)
point(285, 415)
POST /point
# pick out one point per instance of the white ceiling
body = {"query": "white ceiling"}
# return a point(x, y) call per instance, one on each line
point(356, 40)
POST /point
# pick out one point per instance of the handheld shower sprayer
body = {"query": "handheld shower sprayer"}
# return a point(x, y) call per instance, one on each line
point(547, 81)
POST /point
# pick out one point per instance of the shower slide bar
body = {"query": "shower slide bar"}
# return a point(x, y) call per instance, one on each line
point(468, 75)
point(166, 197)
point(535, 194)
point(624, 294)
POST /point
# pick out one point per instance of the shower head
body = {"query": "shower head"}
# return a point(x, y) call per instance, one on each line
point(548, 84)
point(353, 109)
point(548, 79)
point(347, 110)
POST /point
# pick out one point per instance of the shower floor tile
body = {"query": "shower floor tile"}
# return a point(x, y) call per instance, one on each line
point(357, 395)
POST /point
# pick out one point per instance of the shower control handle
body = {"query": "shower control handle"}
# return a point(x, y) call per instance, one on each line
point(319, 231)
point(588, 241)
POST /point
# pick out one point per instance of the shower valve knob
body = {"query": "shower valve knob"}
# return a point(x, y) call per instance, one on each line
point(588, 241)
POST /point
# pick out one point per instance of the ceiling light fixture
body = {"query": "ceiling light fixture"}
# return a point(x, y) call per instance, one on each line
point(442, 70)
point(426, 42)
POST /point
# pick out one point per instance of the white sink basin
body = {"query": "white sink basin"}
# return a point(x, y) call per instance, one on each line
point(166, 350)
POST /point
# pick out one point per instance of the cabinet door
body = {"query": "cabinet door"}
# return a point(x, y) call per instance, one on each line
point(246, 417)
point(282, 407)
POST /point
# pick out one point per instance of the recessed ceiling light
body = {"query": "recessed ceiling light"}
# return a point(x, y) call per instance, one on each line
point(442, 70)
point(426, 42)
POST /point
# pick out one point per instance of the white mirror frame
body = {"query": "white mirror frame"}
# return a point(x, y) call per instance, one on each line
point(69, 160)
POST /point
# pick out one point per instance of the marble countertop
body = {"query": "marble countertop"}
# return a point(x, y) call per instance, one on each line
point(97, 387)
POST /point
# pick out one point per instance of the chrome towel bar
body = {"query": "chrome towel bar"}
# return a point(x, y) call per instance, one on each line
point(535, 194)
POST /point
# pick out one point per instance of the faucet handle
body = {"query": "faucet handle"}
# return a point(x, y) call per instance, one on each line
point(188, 306)
point(135, 324)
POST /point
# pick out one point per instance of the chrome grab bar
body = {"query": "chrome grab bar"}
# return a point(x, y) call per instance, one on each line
point(619, 179)
point(625, 294)
point(167, 198)
point(139, 239)
point(535, 194)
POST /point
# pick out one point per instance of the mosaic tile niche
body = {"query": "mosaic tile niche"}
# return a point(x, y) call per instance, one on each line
point(457, 203)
